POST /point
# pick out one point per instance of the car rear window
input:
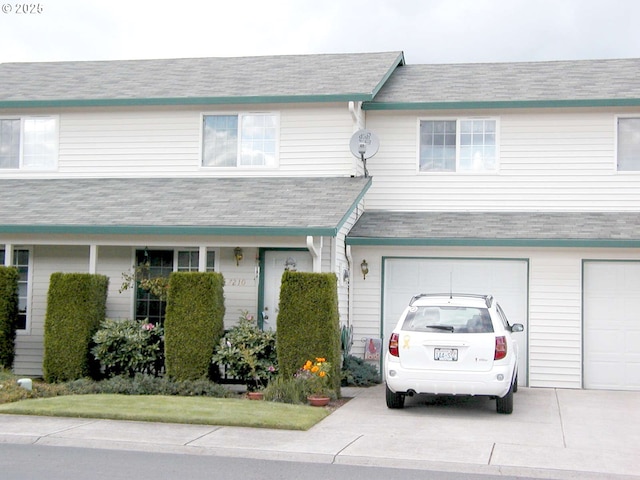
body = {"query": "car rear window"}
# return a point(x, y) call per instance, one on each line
point(448, 319)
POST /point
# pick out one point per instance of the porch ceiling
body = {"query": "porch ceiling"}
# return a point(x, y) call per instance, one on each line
point(544, 229)
point(181, 206)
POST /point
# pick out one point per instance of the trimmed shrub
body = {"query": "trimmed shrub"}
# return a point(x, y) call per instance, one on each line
point(127, 347)
point(193, 324)
point(76, 305)
point(308, 323)
point(8, 315)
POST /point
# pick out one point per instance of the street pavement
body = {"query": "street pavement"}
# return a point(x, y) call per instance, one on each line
point(552, 433)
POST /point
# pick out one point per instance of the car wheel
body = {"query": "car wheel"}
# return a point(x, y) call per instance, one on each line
point(394, 400)
point(505, 404)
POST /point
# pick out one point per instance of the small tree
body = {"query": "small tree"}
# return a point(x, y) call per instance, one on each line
point(8, 315)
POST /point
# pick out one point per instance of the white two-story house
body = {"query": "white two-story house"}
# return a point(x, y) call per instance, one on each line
point(519, 180)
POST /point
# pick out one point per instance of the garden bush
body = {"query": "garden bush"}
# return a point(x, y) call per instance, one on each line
point(247, 353)
point(76, 305)
point(193, 324)
point(308, 323)
point(127, 347)
point(358, 373)
point(8, 315)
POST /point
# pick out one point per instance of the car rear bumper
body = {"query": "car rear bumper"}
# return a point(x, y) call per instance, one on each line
point(401, 380)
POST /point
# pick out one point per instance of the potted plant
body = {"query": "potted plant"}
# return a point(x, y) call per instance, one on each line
point(315, 375)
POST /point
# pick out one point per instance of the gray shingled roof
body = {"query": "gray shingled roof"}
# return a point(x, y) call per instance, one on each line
point(508, 82)
point(497, 228)
point(256, 78)
point(257, 206)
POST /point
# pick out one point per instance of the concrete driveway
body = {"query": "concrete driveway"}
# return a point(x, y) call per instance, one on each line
point(563, 434)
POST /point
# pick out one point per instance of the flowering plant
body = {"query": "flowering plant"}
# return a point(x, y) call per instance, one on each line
point(315, 375)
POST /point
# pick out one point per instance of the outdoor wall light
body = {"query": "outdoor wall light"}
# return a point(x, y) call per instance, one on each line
point(237, 254)
point(364, 266)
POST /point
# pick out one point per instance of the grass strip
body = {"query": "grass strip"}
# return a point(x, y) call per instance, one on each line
point(173, 409)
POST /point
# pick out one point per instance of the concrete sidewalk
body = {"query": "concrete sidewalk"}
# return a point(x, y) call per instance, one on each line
point(563, 434)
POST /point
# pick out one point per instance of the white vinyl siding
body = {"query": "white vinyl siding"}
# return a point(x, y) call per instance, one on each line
point(555, 302)
point(549, 160)
point(154, 141)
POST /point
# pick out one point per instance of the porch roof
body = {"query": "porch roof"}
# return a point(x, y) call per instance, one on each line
point(274, 206)
point(502, 229)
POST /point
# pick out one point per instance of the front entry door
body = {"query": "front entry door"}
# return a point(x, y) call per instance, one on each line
point(275, 263)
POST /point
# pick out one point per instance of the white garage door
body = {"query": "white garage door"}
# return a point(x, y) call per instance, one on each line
point(612, 325)
point(506, 280)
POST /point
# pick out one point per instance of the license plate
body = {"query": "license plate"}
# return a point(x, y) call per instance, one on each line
point(445, 354)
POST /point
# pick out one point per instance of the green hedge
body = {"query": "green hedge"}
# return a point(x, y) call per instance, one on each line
point(8, 315)
point(308, 323)
point(76, 305)
point(193, 324)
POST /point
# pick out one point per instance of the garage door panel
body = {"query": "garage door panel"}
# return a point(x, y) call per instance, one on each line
point(507, 280)
point(611, 354)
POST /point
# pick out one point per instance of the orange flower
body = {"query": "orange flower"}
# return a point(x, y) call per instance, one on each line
point(315, 368)
point(322, 374)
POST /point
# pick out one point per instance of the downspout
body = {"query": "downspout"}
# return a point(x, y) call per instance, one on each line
point(349, 285)
point(316, 253)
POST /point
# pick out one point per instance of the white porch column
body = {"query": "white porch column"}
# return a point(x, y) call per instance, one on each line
point(8, 255)
point(202, 259)
point(316, 253)
point(93, 258)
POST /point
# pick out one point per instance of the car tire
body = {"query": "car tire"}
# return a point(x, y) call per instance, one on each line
point(394, 400)
point(515, 384)
point(505, 404)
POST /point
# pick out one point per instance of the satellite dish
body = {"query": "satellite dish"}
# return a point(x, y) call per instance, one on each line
point(364, 144)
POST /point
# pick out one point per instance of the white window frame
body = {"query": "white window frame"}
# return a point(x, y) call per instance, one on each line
point(457, 171)
point(27, 327)
point(616, 120)
point(237, 166)
point(56, 134)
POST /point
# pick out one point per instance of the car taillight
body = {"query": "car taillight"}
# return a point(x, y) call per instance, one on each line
point(393, 345)
point(501, 348)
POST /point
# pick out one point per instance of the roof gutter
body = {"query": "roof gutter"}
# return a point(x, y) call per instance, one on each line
point(507, 104)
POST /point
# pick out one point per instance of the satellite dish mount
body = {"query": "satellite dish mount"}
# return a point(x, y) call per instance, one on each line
point(364, 144)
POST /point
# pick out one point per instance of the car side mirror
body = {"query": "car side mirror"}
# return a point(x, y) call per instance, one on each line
point(517, 327)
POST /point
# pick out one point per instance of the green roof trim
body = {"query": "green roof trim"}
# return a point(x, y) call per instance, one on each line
point(353, 206)
point(506, 104)
point(399, 62)
point(493, 242)
point(127, 102)
point(168, 230)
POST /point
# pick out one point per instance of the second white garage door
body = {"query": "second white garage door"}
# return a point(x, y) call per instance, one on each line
point(505, 279)
point(611, 325)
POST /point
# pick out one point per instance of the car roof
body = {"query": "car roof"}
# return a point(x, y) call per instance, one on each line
point(453, 299)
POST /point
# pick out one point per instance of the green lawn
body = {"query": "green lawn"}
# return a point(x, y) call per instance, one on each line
point(173, 409)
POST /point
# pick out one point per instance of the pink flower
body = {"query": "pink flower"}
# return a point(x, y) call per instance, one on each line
point(148, 326)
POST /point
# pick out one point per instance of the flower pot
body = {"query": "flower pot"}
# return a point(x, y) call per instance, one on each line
point(318, 401)
point(255, 395)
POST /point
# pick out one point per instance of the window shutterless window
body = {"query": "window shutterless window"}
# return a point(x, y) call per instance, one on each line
point(628, 144)
point(21, 262)
point(461, 145)
point(29, 143)
point(240, 140)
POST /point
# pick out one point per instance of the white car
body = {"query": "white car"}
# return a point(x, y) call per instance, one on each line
point(452, 344)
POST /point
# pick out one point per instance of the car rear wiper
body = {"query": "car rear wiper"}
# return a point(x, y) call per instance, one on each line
point(448, 328)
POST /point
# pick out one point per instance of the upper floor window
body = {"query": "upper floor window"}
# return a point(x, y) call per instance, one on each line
point(29, 143)
point(458, 145)
point(240, 140)
point(628, 144)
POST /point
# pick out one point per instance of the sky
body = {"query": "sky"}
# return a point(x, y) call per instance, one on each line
point(427, 31)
